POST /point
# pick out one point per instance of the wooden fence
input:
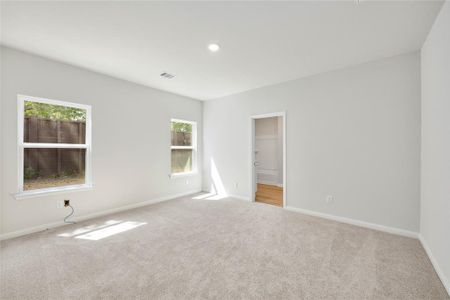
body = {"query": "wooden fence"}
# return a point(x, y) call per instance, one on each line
point(53, 162)
point(57, 162)
point(181, 138)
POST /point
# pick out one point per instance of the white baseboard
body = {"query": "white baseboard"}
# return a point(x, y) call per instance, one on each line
point(359, 223)
point(245, 198)
point(13, 234)
point(445, 281)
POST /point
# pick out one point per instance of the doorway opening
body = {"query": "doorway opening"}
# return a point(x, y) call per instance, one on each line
point(268, 157)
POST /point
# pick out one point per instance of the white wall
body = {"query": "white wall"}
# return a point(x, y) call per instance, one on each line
point(352, 133)
point(131, 138)
point(269, 146)
point(2, 95)
point(280, 150)
point(266, 127)
point(435, 188)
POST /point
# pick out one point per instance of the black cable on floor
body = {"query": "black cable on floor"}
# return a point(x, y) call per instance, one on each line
point(68, 216)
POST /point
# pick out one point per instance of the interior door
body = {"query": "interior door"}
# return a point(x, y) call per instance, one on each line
point(266, 159)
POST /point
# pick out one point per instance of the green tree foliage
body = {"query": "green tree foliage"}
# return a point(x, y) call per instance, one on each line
point(181, 127)
point(54, 112)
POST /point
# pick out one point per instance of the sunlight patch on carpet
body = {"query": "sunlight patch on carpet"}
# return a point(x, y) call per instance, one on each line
point(98, 232)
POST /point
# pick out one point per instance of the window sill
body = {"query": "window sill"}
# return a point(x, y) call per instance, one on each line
point(53, 191)
point(181, 175)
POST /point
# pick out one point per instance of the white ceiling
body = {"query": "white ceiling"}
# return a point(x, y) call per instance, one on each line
point(262, 42)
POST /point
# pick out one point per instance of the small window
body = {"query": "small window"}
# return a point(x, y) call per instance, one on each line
point(54, 145)
point(183, 147)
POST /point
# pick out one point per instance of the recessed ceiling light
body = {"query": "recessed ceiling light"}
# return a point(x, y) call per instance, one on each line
point(214, 47)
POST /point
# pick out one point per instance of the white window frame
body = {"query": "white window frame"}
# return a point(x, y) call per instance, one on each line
point(23, 145)
point(193, 147)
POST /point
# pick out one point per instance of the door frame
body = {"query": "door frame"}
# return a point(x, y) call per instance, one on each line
point(252, 154)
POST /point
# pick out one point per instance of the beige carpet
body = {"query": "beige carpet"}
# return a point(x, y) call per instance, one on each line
point(215, 249)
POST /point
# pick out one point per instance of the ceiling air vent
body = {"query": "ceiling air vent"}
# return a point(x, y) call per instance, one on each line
point(167, 75)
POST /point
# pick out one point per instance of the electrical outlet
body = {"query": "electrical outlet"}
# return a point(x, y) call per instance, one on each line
point(329, 199)
point(66, 203)
point(59, 203)
point(187, 181)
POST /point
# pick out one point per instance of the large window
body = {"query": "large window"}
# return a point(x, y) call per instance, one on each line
point(183, 147)
point(54, 145)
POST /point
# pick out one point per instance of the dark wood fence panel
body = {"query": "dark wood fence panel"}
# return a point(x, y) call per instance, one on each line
point(38, 130)
point(181, 138)
point(53, 162)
